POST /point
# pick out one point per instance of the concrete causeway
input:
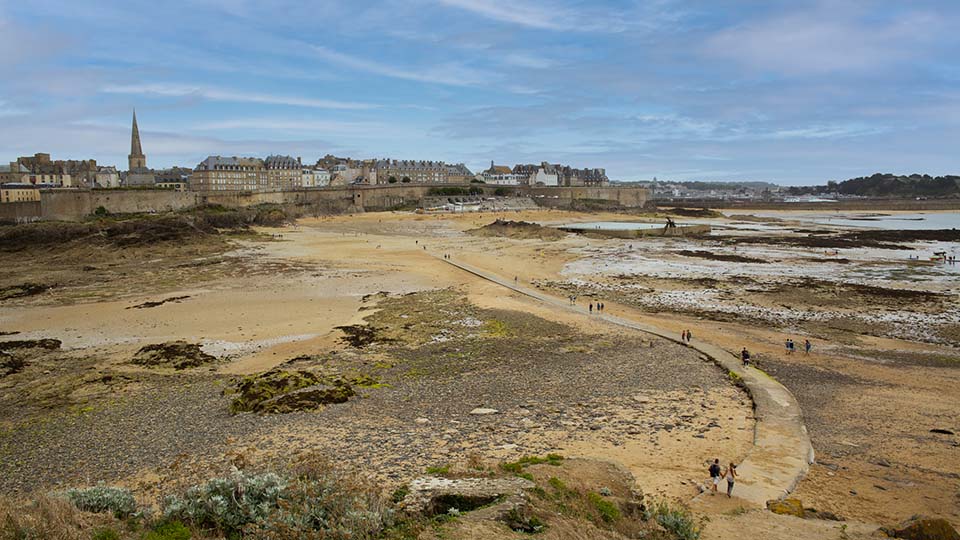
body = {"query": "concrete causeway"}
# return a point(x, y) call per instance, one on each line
point(782, 451)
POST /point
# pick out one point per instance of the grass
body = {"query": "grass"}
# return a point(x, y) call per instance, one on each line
point(439, 470)
point(608, 511)
point(496, 328)
point(516, 467)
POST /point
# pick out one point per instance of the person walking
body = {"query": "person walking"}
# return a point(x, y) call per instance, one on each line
point(807, 346)
point(731, 476)
point(715, 471)
point(745, 357)
point(689, 336)
point(591, 308)
point(789, 346)
point(683, 336)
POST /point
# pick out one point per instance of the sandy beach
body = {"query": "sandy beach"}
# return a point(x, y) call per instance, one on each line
point(879, 378)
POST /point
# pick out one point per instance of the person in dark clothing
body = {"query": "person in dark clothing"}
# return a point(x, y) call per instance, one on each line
point(591, 307)
point(745, 357)
point(715, 472)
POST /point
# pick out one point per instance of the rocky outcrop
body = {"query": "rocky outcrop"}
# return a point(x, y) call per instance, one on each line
point(787, 507)
point(176, 354)
point(923, 528)
point(431, 496)
point(280, 391)
point(45, 343)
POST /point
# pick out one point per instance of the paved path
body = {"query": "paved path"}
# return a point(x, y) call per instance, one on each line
point(782, 452)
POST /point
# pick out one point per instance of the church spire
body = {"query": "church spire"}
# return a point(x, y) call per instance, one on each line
point(136, 158)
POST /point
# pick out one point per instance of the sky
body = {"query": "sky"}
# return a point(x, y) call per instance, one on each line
point(792, 92)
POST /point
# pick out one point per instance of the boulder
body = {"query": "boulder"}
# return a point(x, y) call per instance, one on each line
point(432, 496)
point(280, 391)
point(178, 354)
point(787, 507)
point(923, 528)
point(481, 411)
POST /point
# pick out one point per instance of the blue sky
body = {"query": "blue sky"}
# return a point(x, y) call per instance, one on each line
point(795, 92)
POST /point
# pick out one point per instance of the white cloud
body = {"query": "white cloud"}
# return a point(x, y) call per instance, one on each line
point(446, 73)
point(218, 94)
point(822, 41)
point(542, 16)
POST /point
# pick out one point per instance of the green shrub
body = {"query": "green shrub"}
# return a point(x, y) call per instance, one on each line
point(314, 503)
point(105, 534)
point(171, 530)
point(675, 519)
point(118, 501)
point(608, 511)
point(227, 504)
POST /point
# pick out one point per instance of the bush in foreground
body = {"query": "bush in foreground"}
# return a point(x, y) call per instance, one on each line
point(314, 502)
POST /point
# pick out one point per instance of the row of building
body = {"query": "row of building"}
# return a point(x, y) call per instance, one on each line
point(22, 177)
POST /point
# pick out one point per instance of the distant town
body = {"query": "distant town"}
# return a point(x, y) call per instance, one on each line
point(23, 178)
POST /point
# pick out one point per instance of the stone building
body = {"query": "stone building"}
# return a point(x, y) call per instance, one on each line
point(19, 192)
point(283, 172)
point(312, 178)
point(40, 169)
point(501, 175)
point(107, 177)
point(391, 171)
point(275, 173)
point(459, 174)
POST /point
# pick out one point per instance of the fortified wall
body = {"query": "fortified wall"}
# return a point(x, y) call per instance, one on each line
point(74, 204)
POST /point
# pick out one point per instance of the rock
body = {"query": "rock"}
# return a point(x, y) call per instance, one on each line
point(10, 364)
point(422, 421)
point(640, 398)
point(45, 343)
point(178, 354)
point(431, 496)
point(279, 391)
point(787, 507)
point(480, 411)
point(923, 528)
point(941, 431)
point(306, 399)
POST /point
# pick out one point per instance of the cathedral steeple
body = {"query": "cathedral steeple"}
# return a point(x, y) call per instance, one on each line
point(136, 159)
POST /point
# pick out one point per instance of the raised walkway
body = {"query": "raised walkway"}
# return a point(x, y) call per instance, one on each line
point(781, 453)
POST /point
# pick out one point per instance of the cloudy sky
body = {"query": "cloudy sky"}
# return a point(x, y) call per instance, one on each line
point(795, 92)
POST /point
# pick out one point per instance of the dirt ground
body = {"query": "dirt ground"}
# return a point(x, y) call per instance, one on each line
point(560, 382)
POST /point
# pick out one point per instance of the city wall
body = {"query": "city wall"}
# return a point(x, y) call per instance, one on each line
point(19, 212)
point(74, 204)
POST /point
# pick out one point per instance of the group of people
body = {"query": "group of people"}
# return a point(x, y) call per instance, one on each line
point(717, 473)
point(686, 336)
point(599, 307)
point(791, 346)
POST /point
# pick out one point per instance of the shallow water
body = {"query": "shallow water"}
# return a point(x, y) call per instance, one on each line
point(874, 220)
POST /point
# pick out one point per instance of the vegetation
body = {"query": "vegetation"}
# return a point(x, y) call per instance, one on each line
point(675, 519)
point(171, 530)
point(453, 191)
point(516, 467)
point(314, 502)
point(888, 185)
point(607, 510)
point(118, 501)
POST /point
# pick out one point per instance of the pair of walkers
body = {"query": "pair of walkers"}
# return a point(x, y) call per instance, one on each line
point(791, 346)
point(599, 307)
point(717, 472)
point(686, 336)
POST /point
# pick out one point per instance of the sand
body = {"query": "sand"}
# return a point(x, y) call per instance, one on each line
point(861, 408)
